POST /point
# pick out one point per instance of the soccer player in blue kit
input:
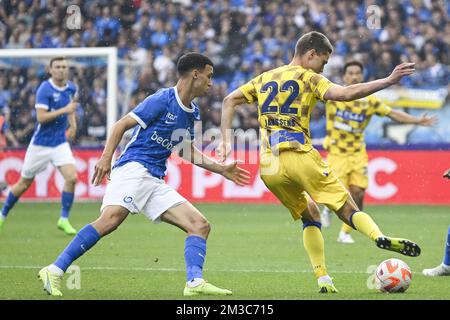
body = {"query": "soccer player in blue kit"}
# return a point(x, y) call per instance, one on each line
point(160, 122)
point(55, 110)
point(444, 268)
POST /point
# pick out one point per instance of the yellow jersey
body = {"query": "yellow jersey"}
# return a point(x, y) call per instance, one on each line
point(346, 122)
point(285, 97)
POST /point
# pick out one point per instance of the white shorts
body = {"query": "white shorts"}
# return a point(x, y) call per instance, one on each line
point(38, 157)
point(134, 188)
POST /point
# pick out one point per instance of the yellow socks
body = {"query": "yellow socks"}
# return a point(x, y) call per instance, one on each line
point(364, 224)
point(313, 243)
point(346, 228)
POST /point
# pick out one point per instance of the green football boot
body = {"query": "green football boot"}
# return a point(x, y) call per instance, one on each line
point(205, 288)
point(64, 225)
point(52, 282)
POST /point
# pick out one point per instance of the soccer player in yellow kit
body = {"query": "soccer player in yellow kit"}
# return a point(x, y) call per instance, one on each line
point(289, 165)
point(347, 156)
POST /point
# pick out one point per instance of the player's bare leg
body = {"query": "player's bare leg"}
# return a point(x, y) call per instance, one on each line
point(314, 246)
point(109, 220)
point(13, 196)
point(357, 194)
point(186, 217)
point(69, 174)
point(21, 186)
point(361, 221)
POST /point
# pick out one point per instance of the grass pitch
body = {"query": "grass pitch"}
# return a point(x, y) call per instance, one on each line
point(254, 250)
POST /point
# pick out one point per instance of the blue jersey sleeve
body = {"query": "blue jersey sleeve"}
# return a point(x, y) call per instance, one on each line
point(149, 110)
point(43, 97)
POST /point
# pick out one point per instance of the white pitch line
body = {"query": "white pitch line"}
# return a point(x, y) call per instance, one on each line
point(183, 270)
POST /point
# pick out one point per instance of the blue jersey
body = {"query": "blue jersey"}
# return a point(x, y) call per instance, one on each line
point(163, 123)
point(51, 98)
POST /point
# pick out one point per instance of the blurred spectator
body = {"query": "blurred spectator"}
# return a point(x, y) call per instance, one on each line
point(435, 75)
point(242, 37)
point(164, 64)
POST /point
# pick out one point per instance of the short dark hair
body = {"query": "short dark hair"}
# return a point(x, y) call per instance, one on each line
point(353, 63)
point(191, 61)
point(61, 58)
point(313, 40)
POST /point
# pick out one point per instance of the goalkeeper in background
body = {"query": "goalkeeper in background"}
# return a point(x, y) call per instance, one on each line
point(347, 155)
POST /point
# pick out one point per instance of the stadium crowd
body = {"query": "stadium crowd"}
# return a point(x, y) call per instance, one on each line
point(242, 37)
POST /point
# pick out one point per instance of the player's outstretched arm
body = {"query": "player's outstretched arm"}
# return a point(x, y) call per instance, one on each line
point(231, 171)
point(447, 174)
point(103, 166)
point(403, 117)
point(361, 90)
point(44, 116)
point(230, 102)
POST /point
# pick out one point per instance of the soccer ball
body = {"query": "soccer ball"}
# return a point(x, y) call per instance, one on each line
point(393, 275)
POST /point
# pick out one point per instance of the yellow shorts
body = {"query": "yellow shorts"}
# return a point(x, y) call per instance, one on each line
point(291, 174)
point(351, 169)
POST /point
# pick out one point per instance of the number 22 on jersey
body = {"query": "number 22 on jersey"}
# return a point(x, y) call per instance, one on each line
point(285, 108)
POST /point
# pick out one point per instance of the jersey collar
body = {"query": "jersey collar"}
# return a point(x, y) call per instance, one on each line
point(56, 87)
point(182, 106)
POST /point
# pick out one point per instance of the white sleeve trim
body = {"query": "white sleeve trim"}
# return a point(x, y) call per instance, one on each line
point(41, 106)
point(139, 120)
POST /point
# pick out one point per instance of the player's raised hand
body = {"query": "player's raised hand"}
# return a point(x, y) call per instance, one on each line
point(447, 174)
point(223, 150)
point(236, 174)
point(427, 121)
point(102, 168)
point(400, 71)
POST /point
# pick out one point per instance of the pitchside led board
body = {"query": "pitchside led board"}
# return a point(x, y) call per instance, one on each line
point(396, 177)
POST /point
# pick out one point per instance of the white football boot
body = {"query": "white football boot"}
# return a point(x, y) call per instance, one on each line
point(440, 270)
point(345, 238)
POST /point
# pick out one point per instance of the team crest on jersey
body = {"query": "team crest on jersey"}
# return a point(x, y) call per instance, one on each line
point(56, 96)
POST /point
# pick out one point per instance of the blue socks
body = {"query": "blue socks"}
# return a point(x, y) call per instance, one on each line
point(447, 249)
point(194, 255)
point(9, 204)
point(85, 239)
point(66, 203)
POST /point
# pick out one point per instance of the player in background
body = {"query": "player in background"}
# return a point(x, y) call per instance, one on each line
point(5, 134)
point(444, 268)
point(55, 112)
point(347, 155)
point(289, 165)
point(160, 122)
